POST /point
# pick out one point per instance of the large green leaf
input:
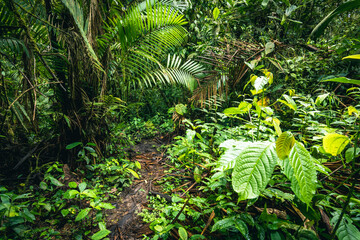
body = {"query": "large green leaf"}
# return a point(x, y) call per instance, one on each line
point(216, 13)
point(233, 148)
point(260, 82)
point(335, 143)
point(300, 169)
point(284, 145)
point(253, 169)
point(243, 108)
point(343, 80)
point(175, 72)
point(319, 29)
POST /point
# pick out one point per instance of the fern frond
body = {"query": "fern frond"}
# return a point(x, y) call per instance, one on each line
point(13, 45)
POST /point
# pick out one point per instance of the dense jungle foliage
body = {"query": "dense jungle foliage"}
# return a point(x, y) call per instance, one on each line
point(253, 106)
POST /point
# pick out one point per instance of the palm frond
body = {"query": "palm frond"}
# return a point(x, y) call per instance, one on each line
point(77, 13)
point(320, 28)
point(176, 72)
point(13, 45)
point(177, 5)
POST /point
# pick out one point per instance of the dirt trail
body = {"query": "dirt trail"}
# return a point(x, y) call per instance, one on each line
point(123, 221)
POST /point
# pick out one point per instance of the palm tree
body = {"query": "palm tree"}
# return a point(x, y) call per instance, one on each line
point(74, 49)
point(140, 40)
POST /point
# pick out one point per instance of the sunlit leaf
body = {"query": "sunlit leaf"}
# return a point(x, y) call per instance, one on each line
point(183, 233)
point(357, 56)
point(269, 47)
point(284, 145)
point(216, 13)
point(300, 169)
point(335, 143)
point(100, 234)
point(233, 148)
point(343, 80)
point(253, 169)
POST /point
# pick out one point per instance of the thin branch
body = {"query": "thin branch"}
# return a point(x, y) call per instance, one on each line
point(29, 89)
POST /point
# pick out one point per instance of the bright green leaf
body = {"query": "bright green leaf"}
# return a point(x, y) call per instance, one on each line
point(137, 164)
point(284, 145)
point(106, 205)
point(89, 193)
point(321, 98)
point(82, 214)
point(233, 148)
point(300, 169)
point(216, 13)
point(183, 233)
point(100, 234)
point(343, 80)
point(72, 184)
point(253, 169)
point(132, 172)
point(70, 194)
point(335, 143)
point(291, 103)
point(65, 212)
point(269, 47)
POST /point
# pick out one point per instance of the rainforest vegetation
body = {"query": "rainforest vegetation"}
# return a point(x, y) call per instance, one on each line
point(179, 119)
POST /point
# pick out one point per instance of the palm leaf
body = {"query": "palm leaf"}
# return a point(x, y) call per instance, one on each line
point(77, 13)
point(176, 72)
point(13, 45)
point(320, 28)
point(177, 5)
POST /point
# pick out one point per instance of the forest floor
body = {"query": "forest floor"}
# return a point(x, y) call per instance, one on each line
point(124, 222)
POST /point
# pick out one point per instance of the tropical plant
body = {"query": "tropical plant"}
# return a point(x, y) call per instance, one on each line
point(345, 7)
point(141, 39)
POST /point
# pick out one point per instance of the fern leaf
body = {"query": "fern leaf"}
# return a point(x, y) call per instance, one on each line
point(13, 45)
point(253, 169)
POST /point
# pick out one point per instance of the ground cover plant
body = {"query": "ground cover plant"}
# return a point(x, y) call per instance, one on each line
point(162, 119)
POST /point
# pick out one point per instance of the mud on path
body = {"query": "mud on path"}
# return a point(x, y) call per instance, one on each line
point(123, 221)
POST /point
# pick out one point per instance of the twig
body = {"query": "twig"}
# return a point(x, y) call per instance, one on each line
point(212, 215)
point(29, 90)
point(182, 209)
point(188, 189)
